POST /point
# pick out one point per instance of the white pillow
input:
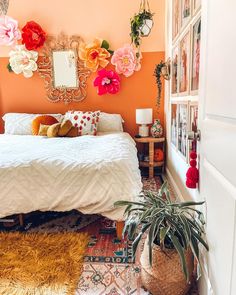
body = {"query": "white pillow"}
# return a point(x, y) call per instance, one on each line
point(20, 123)
point(110, 123)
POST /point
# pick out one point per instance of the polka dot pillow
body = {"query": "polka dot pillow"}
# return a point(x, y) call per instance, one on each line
point(86, 122)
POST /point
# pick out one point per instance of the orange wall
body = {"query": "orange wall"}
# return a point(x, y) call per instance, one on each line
point(108, 19)
point(138, 91)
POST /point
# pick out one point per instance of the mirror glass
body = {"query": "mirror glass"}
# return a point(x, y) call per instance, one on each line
point(65, 69)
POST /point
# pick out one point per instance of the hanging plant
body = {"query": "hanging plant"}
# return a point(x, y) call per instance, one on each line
point(161, 70)
point(141, 24)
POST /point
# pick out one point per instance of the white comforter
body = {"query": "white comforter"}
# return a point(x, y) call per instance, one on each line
point(87, 173)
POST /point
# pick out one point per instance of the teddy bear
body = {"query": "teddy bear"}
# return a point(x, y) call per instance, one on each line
point(64, 129)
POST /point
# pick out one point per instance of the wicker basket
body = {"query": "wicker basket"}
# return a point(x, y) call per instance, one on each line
point(165, 277)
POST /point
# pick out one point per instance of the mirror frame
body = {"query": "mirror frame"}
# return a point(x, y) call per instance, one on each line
point(45, 68)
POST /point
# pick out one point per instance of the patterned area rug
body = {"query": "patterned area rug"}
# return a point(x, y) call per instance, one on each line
point(107, 265)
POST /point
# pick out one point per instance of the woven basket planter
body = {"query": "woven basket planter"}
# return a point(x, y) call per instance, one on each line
point(165, 277)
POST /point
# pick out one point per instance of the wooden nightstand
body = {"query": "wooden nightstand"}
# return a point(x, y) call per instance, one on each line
point(151, 164)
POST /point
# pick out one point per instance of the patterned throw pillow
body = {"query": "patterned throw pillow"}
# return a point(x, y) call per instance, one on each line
point(85, 121)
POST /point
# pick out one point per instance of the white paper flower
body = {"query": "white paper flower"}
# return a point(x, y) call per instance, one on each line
point(23, 61)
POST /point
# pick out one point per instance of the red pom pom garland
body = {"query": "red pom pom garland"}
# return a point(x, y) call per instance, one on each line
point(193, 155)
point(192, 175)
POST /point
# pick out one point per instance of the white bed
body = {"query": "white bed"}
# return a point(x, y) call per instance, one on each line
point(87, 173)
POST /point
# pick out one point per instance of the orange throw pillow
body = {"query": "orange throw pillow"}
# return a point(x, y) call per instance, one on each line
point(44, 120)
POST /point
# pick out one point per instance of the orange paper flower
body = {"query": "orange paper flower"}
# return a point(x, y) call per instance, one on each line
point(93, 55)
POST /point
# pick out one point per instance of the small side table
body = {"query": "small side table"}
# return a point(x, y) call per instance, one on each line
point(151, 164)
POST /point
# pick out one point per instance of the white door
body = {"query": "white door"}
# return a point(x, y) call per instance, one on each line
point(217, 106)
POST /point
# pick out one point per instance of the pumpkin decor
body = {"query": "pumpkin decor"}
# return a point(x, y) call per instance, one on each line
point(158, 155)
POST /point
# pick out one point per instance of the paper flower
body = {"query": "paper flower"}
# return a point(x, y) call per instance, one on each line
point(9, 32)
point(126, 61)
point(23, 61)
point(107, 82)
point(93, 55)
point(33, 36)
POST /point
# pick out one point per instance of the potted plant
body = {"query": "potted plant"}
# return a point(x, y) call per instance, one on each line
point(173, 231)
point(141, 24)
point(161, 70)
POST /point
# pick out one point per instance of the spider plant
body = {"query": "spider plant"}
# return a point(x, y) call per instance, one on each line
point(169, 224)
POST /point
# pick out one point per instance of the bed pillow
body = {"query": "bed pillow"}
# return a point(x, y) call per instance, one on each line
point(110, 123)
point(20, 123)
point(85, 121)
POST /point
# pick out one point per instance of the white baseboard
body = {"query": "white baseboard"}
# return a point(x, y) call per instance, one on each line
point(170, 178)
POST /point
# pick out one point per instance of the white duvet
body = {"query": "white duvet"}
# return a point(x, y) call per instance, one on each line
point(87, 173)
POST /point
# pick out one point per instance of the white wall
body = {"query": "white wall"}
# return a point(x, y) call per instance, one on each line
point(176, 167)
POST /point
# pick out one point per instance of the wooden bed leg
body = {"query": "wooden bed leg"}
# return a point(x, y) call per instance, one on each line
point(21, 219)
point(119, 229)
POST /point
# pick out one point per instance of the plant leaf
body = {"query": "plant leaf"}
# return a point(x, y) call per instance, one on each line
point(126, 203)
point(138, 238)
point(105, 44)
point(194, 247)
point(145, 215)
point(178, 229)
point(110, 51)
point(199, 238)
point(198, 212)
point(136, 243)
point(180, 250)
point(153, 232)
point(163, 233)
point(9, 68)
point(187, 229)
point(194, 224)
point(128, 208)
point(186, 204)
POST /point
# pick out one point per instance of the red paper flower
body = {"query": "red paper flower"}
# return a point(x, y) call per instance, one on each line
point(107, 82)
point(33, 36)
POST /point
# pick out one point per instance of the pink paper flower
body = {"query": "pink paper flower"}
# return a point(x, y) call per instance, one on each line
point(126, 61)
point(107, 82)
point(9, 32)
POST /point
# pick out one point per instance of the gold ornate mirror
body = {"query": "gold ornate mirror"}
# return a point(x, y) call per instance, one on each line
point(64, 73)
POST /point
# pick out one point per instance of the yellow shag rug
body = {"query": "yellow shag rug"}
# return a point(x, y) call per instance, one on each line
point(41, 264)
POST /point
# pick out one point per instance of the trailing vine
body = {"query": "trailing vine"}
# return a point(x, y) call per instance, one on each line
point(161, 70)
point(158, 74)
